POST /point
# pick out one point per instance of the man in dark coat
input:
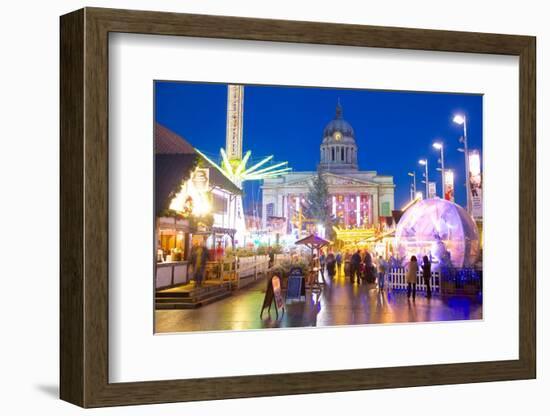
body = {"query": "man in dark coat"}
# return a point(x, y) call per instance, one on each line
point(354, 267)
point(271, 255)
point(427, 274)
point(331, 265)
point(370, 271)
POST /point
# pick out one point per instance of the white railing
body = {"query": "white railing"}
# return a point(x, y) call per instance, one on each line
point(247, 266)
point(396, 279)
point(279, 258)
point(243, 270)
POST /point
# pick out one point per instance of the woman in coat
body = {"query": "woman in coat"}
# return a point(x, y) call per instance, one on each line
point(412, 270)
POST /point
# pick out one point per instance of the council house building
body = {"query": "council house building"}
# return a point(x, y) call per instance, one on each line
point(358, 198)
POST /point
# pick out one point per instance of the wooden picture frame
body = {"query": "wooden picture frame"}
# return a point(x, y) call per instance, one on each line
point(84, 207)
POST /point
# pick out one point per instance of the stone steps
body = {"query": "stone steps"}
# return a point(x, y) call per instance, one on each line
point(190, 303)
point(190, 297)
point(191, 291)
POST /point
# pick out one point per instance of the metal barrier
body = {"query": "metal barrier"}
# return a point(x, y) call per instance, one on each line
point(461, 281)
point(446, 281)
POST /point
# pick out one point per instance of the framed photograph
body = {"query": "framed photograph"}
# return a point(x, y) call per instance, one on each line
point(257, 207)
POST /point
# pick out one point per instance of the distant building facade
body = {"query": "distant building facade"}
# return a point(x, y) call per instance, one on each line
point(357, 198)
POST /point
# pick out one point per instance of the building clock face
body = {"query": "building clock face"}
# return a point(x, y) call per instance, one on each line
point(337, 135)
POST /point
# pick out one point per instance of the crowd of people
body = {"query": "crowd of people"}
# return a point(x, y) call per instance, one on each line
point(361, 268)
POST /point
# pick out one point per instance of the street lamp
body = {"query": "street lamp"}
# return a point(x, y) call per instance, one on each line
point(461, 119)
point(424, 162)
point(413, 188)
point(439, 146)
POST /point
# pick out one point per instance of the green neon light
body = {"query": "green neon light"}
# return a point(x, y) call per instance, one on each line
point(257, 165)
point(240, 174)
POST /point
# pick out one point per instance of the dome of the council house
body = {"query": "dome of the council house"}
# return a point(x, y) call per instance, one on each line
point(338, 130)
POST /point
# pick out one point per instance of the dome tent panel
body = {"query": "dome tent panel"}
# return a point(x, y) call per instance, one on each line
point(440, 229)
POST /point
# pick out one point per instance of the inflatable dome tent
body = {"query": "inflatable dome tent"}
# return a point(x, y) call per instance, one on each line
point(439, 229)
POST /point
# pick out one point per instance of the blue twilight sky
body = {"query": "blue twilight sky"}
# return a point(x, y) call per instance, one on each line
point(393, 129)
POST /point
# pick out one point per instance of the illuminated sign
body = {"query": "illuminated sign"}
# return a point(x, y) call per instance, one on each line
point(201, 179)
point(234, 129)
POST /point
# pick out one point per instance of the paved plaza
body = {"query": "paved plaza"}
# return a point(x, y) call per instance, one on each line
point(339, 303)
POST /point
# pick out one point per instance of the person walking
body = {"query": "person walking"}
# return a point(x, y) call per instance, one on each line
point(314, 270)
point(347, 260)
point(322, 264)
point(354, 267)
point(271, 254)
point(338, 263)
point(412, 270)
point(427, 274)
point(382, 267)
point(199, 257)
point(369, 272)
point(331, 265)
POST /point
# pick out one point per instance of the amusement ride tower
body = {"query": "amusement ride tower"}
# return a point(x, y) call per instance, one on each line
point(233, 164)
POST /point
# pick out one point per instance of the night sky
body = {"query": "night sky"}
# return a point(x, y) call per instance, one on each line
point(393, 130)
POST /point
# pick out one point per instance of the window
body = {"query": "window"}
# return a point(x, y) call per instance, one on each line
point(333, 153)
point(385, 209)
point(219, 204)
point(269, 208)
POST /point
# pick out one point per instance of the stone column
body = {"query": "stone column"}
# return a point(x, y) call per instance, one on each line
point(358, 209)
point(375, 207)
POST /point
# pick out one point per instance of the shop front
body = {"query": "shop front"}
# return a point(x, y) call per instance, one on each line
point(172, 251)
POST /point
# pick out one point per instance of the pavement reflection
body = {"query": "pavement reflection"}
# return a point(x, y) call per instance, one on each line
point(339, 303)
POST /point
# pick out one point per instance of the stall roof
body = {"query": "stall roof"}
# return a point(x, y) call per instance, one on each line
point(174, 158)
point(168, 142)
point(314, 241)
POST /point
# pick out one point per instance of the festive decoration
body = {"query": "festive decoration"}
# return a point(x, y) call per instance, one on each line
point(237, 171)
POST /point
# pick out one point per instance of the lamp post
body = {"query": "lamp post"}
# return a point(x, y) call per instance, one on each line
point(424, 162)
point(461, 119)
point(413, 188)
point(439, 146)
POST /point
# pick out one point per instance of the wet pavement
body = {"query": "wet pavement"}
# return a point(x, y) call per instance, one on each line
point(339, 303)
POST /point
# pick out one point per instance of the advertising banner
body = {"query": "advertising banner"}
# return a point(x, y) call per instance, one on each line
point(449, 185)
point(276, 225)
point(475, 185)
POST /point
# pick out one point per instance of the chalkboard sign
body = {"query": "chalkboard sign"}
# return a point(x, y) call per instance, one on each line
point(296, 285)
point(273, 295)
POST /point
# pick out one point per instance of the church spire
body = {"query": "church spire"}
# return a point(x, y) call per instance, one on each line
point(339, 109)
